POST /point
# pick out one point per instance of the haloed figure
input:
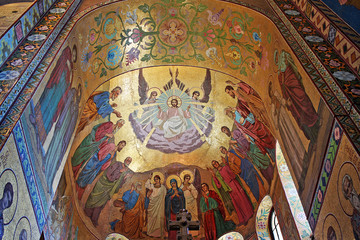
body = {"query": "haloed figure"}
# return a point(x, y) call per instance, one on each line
point(5, 203)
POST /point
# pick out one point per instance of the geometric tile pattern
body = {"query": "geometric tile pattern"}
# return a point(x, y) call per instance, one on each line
point(9, 41)
point(29, 175)
point(328, 164)
point(292, 195)
point(21, 93)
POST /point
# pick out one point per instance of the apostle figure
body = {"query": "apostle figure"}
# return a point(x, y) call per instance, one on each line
point(240, 200)
point(173, 120)
point(5, 202)
point(100, 161)
point(91, 143)
point(254, 129)
point(156, 209)
point(290, 138)
point(64, 129)
point(98, 106)
point(293, 91)
point(109, 183)
point(133, 213)
point(174, 202)
point(54, 96)
point(245, 170)
point(213, 214)
point(354, 198)
point(240, 142)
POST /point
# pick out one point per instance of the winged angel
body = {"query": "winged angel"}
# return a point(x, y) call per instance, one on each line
point(174, 118)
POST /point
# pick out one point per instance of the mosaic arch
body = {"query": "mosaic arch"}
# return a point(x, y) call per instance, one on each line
point(154, 76)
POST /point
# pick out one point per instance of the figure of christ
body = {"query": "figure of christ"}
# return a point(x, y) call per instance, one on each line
point(354, 198)
point(173, 121)
point(108, 184)
point(240, 200)
point(156, 209)
point(240, 142)
point(191, 203)
point(257, 132)
point(87, 148)
point(293, 91)
point(246, 171)
point(100, 161)
point(132, 222)
point(5, 202)
point(174, 202)
point(98, 106)
point(213, 214)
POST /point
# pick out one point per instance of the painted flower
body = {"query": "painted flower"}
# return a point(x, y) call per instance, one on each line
point(229, 237)
point(355, 91)
point(172, 11)
point(173, 50)
point(85, 58)
point(92, 37)
point(209, 35)
point(132, 56)
point(261, 225)
point(284, 168)
point(132, 17)
point(298, 19)
point(344, 75)
point(43, 28)
point(327, 166)
point(173, 32)
point(256, 36)
point(136, 35)
point(301, 216)
point(327, 55)
point(52, 17)
point(113, 56)
point(229, 23)
point(17, 62)
point(306, 29)
point(322, 48)
point(334, 63)
point(337, 133)
point(62, 4)
point(234, 55)
point(29, 47)
point(287, 6)
point(319, 196)
point(238, 29)
point(252, 65)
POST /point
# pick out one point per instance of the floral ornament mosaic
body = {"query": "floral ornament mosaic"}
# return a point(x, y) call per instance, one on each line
point(262, 218)
point(173, 32)
point(292, 196)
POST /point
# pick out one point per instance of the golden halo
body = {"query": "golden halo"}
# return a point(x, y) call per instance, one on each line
point(162, 178)
point(349, 169)
point(183, 173)
point(331, 221)
point(176, 177)
point(153, 89)
point(192, 90)
point(174, 97)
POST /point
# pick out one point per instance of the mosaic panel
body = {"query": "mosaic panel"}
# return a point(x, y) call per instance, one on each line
point(328, 164)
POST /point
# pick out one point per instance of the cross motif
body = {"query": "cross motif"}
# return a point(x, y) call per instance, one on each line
point(173, 32)
point(183, 223)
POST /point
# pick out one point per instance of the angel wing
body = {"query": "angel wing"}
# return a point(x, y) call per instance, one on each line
point(206, 86)
point(143, 87)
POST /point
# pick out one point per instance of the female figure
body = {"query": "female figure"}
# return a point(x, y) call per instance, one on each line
point(174, 202)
